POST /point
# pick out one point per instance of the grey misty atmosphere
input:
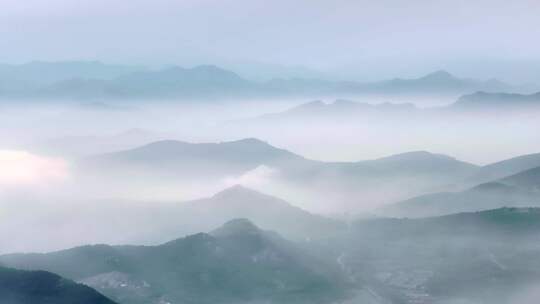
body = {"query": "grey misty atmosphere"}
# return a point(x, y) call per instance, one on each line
point(269, 152)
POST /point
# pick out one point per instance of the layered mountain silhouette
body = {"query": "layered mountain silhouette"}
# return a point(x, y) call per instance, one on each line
point(173, 82)
point(353, 112)
point(526, 180)
point(91, 80)
point(237, 263)
point(397, 176)
point(484, 101)
point(119, 222)
point(204, 159)
point(505, 168)
point(264, 210)
point(520, 190)
point(32, 287)
point(233, 152)
point(493, 222)
point(168, 220)
point(440, 82)
point(390, 259)
point(340, 109)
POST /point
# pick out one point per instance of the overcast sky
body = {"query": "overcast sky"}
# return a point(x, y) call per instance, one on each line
point(360, 39)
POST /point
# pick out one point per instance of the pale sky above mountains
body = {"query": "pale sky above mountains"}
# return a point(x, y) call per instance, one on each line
point(343, 38)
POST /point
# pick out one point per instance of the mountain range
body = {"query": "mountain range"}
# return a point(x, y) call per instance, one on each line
point(484, 256)
point(94, 80)
point(307, 182)
point(485, 101)
point(505, 168)
point(313, 185)
point(352, 111)
point(153, 222)
point(439, 82)
point(339, 109)
point(265, 211)
point(237, 263)
point(207, 159)
point(518, 190)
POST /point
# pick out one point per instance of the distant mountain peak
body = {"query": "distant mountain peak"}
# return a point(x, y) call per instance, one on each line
point(172, 143)
point(439, 75)
point(215, 71)
point(248, 140)
point(166, 143)
point(251, 143)
point(427, 161)
point(241, 193)
point(236, 227)
point(492, 186)
point(417, 155)
point(234, 191)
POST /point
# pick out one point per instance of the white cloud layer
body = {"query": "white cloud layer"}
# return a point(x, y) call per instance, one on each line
point(22, 168)
point(256, 178)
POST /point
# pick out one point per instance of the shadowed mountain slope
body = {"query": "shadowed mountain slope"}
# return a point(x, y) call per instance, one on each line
point(237, 263)
point(479, 257)
point(33, 287)
point(519, 190)
point(505, 168)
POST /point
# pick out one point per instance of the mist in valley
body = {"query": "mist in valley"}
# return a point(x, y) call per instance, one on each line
point(321, 174)
point(209, 153)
